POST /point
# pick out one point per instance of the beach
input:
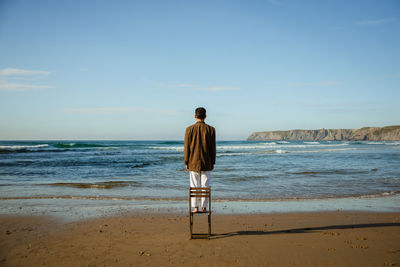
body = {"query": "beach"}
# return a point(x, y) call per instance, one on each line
point(124, 203)
point(155, 239)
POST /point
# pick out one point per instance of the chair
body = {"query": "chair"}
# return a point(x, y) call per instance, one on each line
point(200, 192)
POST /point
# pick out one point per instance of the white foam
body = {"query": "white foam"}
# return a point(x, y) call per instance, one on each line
point(375, 143)
point(325, 150)
point(393, 144)
point(312, 143)
point(71, 144)
point(23, 147)
point(271, 145)
point(176, 148)
point(243, 147)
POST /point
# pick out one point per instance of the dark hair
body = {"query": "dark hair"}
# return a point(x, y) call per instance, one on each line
point(200, 113)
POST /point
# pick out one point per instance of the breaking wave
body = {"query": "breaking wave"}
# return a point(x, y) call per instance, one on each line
point(76, 145)
point(22, 148)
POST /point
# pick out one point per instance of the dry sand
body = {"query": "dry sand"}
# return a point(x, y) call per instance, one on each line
point(292, 239)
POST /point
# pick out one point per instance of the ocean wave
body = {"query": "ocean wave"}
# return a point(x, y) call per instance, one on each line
point(383, 194)
point(227, 154)
point(379, 143)
point(269, 143)
point(392, 143)
point(312, 143)
point(230, 153)
point(326, 150)
point(247, 178)
point(334, 171)
point(19, 147)
point(176, 148)
point(77, 145)
point(172, 143)
point(99, 185)
point(140, 165)
point(258, 146)
point(22, 148)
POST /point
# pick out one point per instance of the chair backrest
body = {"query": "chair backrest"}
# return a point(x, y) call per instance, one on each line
point(199, 192)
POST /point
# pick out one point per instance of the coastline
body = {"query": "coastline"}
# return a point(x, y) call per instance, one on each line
point(74, 209)
point(340, 238)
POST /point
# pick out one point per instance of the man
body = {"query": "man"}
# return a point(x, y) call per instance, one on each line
point(200, 153)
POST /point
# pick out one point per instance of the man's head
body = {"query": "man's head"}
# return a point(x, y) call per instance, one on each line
point(200, 113)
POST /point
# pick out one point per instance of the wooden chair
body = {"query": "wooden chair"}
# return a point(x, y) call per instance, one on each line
point(200, 192)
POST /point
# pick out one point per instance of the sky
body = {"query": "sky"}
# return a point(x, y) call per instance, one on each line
point(136, 70)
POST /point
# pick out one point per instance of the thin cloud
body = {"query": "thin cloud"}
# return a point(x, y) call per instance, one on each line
point(83, 69)
point(213, 88)
point(120, 111)
point(187, 85)
point(221, 88)
point(99, 110)
point(19, 72)
point(210, 88)
point(18, 78)
point(375, 22)
point(4, 86)
point(328, 83)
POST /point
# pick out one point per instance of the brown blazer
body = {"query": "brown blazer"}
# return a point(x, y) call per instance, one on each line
point(200, 147)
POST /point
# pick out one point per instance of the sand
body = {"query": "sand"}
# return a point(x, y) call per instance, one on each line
point(290, 239)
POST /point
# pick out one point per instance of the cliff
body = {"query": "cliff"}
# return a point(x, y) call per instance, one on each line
point(388, 133)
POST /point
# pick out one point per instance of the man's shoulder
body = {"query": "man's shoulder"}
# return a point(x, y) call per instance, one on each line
point(211, 127)
point(190, 127)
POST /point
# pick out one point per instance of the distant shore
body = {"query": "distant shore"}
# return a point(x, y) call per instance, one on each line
point(387, 133)
point(285, 239)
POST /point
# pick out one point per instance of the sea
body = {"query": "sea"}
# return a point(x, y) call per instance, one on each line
point(259, 176)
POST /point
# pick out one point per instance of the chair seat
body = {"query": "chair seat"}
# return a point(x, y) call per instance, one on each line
point(200, 212)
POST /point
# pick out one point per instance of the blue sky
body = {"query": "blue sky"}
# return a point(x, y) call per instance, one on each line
point(138, 69)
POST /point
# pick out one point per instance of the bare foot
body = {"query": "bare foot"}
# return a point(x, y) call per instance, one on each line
point(203, 210)
point(196, 209)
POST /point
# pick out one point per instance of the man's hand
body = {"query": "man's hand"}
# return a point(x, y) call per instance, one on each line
point(186, 167)
point(212, 167)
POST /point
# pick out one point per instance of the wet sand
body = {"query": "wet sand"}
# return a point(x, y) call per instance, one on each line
point(288, 239)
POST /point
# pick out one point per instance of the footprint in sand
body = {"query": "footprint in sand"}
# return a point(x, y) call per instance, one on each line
point(389, 264)
point(361, 238)
point(359, 246)
point(391, 251)
point(331, 233)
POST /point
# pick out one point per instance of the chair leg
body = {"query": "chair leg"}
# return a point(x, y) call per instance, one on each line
point(191, 225)
point(190, 216)
point(209, 226)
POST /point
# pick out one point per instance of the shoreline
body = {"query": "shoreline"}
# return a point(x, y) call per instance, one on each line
point(80, 209)
point(215, 199)
point(340, 238)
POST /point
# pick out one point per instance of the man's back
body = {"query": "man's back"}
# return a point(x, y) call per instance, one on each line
point(200, 147)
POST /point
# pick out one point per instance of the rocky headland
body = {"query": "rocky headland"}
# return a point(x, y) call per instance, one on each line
point(388, 133)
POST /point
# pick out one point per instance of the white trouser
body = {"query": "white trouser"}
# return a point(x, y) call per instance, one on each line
point(199, 179)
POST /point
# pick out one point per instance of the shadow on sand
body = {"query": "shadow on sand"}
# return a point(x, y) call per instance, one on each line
point(304, 230)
